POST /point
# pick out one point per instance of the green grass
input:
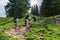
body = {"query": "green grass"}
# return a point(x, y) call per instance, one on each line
point(37, 30)
point(5, 36)
point(21, 21)
point(4, 20)
point(52, 33)
point(9, 25)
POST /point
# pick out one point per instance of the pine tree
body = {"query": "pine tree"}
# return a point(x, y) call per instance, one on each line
point(34, 10)
point(37, 10)
point(50, 8)
point(17, 8)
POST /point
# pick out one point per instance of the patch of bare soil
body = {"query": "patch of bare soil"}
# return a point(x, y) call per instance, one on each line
point(18, 32)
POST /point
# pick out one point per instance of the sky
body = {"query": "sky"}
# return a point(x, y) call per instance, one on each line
point(2, 10)
point(33, 2)
point(4, 2)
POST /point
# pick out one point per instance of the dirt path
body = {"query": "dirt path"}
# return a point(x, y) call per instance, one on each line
point(18, 32)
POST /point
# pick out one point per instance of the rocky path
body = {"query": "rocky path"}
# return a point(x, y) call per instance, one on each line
point(18, 32)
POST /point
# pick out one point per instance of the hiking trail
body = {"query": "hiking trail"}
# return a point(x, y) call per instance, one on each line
point(18, 32)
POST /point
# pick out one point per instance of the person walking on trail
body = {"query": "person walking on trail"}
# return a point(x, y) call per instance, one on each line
point(29, 18)
point(34, 18)
point(16, 22)
point(26, 22)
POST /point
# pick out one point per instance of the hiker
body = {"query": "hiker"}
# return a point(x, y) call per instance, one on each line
point(34, 18)
point(29, 18)
point(26, 21)
point(16, 21)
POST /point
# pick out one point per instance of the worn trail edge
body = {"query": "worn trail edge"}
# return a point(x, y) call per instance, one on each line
point(18, 32)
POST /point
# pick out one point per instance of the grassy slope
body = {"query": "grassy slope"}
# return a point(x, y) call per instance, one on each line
point(52, 33)
point(8, 25)
point(37, 31)
point(46, 32)
point(4, 36)
point(3, 20)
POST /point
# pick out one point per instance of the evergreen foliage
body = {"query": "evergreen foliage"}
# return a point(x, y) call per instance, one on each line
point(50, 8)
point(34, 10)
point(17, 8)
